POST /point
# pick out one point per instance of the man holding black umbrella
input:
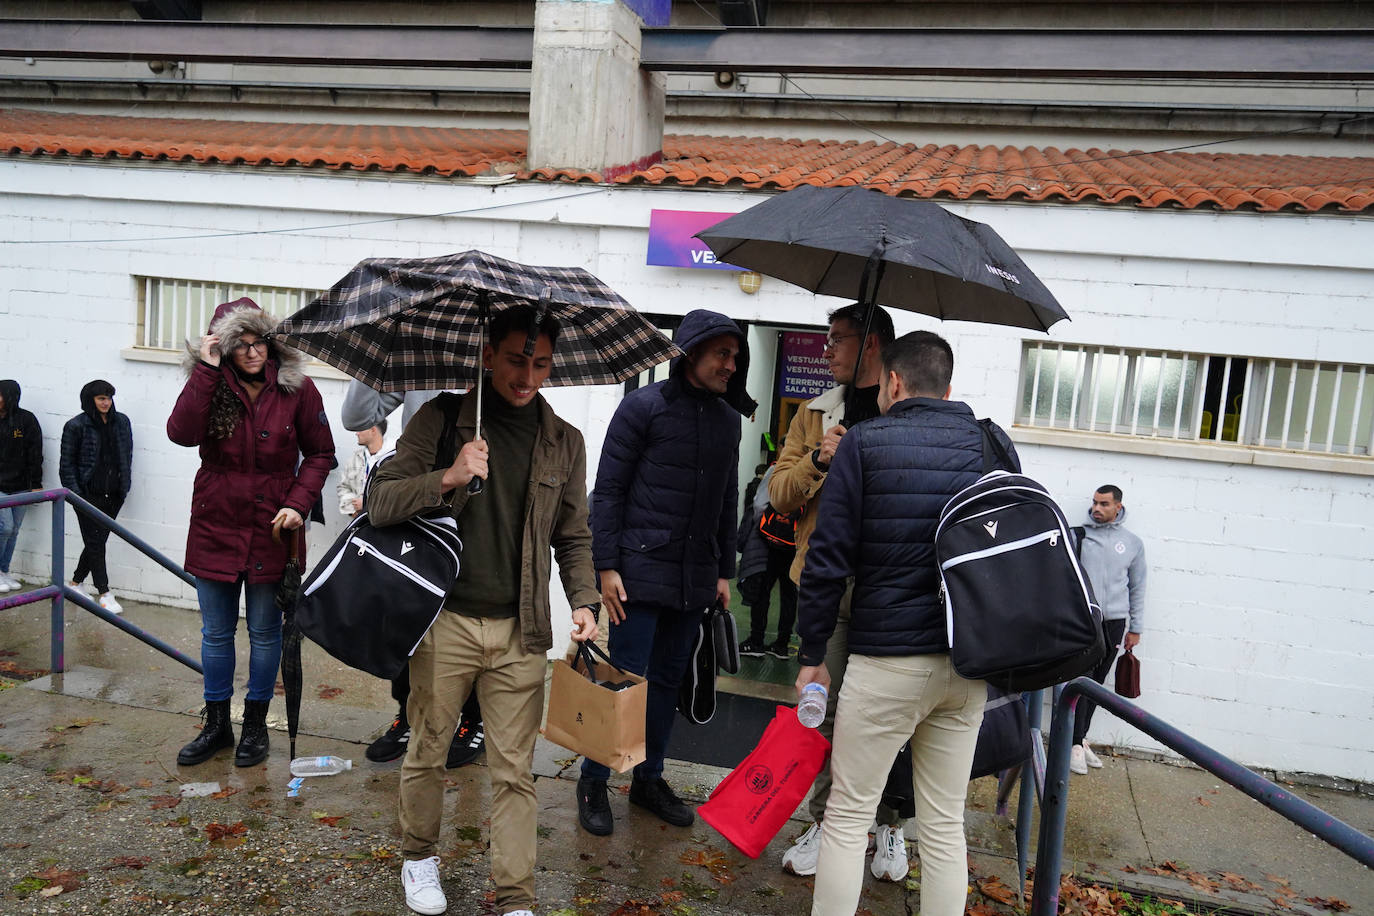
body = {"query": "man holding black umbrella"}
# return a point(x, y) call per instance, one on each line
point(798, 478)
point(495, 628)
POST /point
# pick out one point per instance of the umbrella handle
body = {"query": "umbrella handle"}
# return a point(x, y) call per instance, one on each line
point(475, 485)
point(292, 549)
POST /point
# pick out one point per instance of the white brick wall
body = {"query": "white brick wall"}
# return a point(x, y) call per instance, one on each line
point(1259, 627)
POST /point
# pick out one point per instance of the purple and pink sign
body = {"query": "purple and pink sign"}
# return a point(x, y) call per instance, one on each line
point(671, 243)
point(805, 370)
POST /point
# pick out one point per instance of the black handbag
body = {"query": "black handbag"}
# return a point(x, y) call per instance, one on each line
point(715, 647)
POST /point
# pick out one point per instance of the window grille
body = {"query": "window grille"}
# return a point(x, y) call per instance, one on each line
point(172, 311)
point(1273, 403)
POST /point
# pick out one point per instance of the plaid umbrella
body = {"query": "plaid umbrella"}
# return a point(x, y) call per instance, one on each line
point(416, 324)
point(290, 634)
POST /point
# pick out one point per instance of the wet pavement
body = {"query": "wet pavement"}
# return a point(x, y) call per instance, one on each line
point(94, 819)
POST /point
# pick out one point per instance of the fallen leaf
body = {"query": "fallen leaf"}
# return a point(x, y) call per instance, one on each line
point(1329, 903)
point(164, 801)
point(67, 880)
point(225, 792)
point(220, 831)
point(994, 888)
point(327, 819)
point(1203, 802)
point(329, 693)
point(134, 862)
point(52, 890)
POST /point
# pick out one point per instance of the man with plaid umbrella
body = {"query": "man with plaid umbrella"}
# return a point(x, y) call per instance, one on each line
point(495, 628)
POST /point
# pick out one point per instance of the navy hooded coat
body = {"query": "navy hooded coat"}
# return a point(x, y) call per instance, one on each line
point(663, 510)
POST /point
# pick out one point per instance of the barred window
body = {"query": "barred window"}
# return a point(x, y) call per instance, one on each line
point(1273, 403)
point(171, 311)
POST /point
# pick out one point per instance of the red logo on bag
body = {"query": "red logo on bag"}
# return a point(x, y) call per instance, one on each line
point(759, 779)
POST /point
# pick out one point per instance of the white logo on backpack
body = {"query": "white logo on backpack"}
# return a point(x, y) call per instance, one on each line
point(991, 528)
point(406, 547)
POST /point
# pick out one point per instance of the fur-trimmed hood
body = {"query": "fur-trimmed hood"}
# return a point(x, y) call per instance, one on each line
point(230, 321)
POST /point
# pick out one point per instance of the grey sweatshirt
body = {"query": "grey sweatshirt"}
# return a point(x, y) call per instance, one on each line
point(1114, 560)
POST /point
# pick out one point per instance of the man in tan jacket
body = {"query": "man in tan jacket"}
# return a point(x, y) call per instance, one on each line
point(495, 628)
point(797, 479)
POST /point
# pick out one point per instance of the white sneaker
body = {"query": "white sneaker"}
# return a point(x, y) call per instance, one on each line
point(108, 602)
point(11, 584)
point(801, 858)
point(81, 587)
point(420, 877)
point(889, 858)
point(1092, 759)
point(1078, 761)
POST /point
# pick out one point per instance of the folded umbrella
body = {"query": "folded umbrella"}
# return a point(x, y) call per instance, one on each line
point(287, 590)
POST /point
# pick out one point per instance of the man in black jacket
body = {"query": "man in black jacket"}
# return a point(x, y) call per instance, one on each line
point(21, 470)
point(663, 537)
point(890, 478)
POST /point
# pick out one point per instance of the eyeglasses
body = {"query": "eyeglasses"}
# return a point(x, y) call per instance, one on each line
point(243, 347)
point(833, 341)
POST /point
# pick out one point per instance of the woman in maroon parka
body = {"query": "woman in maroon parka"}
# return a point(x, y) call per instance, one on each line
point(265, 450)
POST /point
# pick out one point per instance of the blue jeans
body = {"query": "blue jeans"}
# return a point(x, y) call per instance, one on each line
point(10, 520)
point(219, 615)
point(655, 643)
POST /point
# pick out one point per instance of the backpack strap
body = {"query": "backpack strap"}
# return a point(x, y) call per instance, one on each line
point(994, 455)
point(447, 449)
point(1078, 531)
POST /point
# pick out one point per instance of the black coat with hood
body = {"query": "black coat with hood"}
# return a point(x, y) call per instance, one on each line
point(663, 510)
point(81, 444)
point(21, 444)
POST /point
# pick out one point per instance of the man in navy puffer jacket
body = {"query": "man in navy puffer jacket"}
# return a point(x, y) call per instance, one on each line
point(890, 478)
point(663, 537)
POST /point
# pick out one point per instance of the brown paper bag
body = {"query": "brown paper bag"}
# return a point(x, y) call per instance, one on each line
point(599, 723)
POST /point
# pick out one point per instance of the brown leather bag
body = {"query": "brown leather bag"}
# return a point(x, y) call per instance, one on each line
point(1128, 675)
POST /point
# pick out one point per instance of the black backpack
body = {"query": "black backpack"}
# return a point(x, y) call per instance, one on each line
point(377, 590)
point(779, 529)
point(1019, 611)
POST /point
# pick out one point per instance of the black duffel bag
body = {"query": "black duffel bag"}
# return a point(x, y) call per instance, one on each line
point(378, 588)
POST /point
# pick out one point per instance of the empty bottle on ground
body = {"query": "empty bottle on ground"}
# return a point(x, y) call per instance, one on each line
point(319, 766)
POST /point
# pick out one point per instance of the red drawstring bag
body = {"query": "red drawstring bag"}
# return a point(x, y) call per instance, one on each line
point(750, 805)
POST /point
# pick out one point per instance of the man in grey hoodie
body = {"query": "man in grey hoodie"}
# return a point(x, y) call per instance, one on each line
point(1114, 560)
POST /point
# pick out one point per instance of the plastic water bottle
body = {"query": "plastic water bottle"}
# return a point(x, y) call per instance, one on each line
point(811, 709)
point(319, 766)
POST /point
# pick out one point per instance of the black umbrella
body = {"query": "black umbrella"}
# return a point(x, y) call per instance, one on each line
point(878, 249)
point(290, 635)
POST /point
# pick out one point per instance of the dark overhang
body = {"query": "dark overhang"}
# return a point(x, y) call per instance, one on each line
point(1307, 54)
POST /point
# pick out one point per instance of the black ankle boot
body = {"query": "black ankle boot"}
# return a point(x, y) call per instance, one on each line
point(253, 742)
point(215, 735)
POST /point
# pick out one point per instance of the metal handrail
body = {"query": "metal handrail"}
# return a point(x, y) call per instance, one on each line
point(1054, 806)
point(59, 592)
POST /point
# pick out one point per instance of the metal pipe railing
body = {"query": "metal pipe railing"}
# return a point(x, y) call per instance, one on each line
point(1054, 807)
point(59, 592)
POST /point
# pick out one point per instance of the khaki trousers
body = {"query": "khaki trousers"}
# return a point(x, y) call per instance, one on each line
point(836, 661)
point(886, 702)
point(457, 652)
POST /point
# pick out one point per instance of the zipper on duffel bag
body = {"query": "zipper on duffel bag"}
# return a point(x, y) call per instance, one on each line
point(363, 547)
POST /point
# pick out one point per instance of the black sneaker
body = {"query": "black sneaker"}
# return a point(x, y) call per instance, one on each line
point(658, 797)
point(392, 744)
point(753, 648)
point(467, 744)
point(593, 808)
point(781, 649)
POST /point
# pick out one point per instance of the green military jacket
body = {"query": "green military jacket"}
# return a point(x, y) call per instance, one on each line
point(555, 507)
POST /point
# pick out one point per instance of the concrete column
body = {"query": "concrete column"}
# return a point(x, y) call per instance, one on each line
point(591, 107)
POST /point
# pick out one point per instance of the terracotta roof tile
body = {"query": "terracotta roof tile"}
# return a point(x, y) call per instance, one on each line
point(1223, 181)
